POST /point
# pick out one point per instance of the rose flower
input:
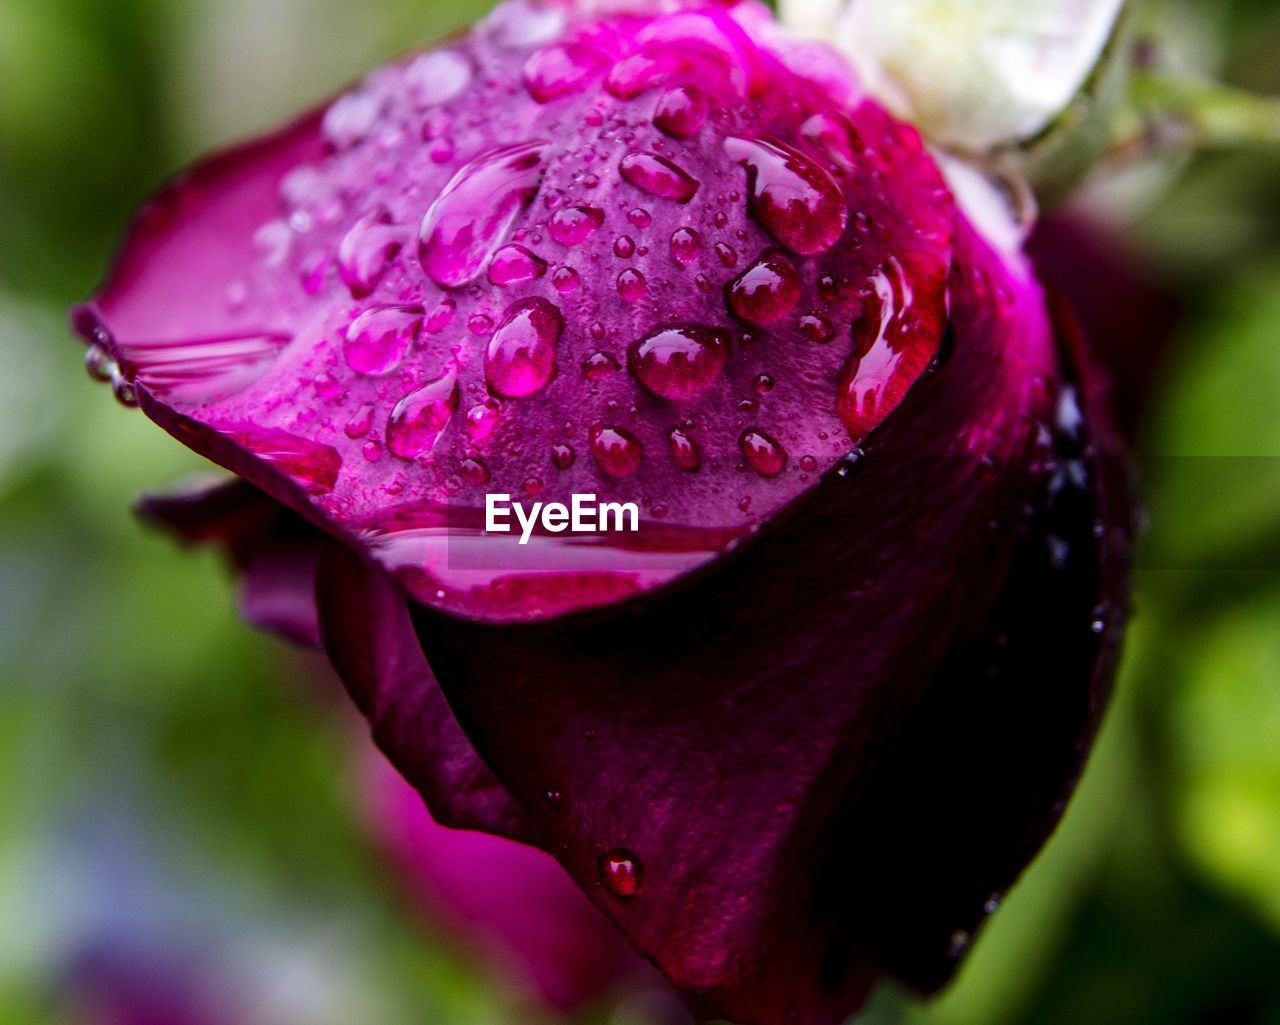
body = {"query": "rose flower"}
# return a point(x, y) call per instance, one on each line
point(800, 730)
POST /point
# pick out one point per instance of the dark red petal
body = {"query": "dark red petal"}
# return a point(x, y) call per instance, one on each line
point(275, 551)
point(904, 722)
point(370, 640)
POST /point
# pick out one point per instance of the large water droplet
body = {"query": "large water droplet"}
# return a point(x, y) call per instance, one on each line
point(766, 291)
point(763, 454)
point(560, 69)
point(521, 355)
point(515, 265)
point(573, 225)
point(681, 111)
point(416, 422)
point(471, 217)
point(379, 339)
point(658, 176)
point(795, 199)
point(367, 249)
point(679, 362)
point(436, 77)
point(616, 450)
point(622, 872)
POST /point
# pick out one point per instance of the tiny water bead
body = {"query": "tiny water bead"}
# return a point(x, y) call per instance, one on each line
point(474, 471)
point(763, 383)
point(658, 176)
point(684, 451)
point(679, 362)
point(442, 316)
point(565, 280)
point(515, 265)
point(480, 421)
point(622, 872)
point(766, 291)
point(366, 250)
point(762, 453)
point(379, 339)
point(417, 420)
point(474, 212)
point(573, 225)
point(521, 356)
point(599, 366)
point(359, 424)
point(624, 247)
point(727, 255)
point(797, 201)
point(562, 456)
point(437, 77)
point(681, 112)
point(616, 450)
point(686, 246)
point(817, 328)
point(851, 463)
point(631, 285)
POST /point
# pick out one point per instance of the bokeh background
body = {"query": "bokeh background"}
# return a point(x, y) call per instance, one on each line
point(187, 818)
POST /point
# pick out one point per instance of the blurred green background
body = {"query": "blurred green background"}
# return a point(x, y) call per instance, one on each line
point(172, 783)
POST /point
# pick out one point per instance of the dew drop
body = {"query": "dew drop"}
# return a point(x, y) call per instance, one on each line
point(622, 872)
point(684, 450)
point(565, 280)
point(808, 464)
point(359, 424)
point(521, 356)
point(573, 225)
point(562, 456)
point(442, 316)
point(99, 365)
point(326, 385)
point(817, 328)
point(599, 366)
point(379, 339)
point(472, 215)
point(640, 218)
point(515, 265)
point(631, 285)
point(658, 176)
point(851, 463)
point(559, 69)
point(795, 199)
point(436, 77)
point(372, 451)
point(480, 324)
point(727, 254)
point(474, 471)
point(686, 246)
point(351, 118)
point(679, 362)
point(766, 291)
point(480, 421)
point(366, 250)
point(624, 247)
point(680, 112)
point(616, 451)
point(763, 383)
point(763, 454)
point(417, 420)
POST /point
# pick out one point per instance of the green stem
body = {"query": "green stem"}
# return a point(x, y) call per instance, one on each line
point(1198, 114)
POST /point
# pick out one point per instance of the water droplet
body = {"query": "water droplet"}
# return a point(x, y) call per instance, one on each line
point(418, 419)
point(326, 385)
point(686, 246)
point(532, 487)
point(851, 463)
point(640, 218)
point(631, 285)
point(600, 365)
point(367, 249)
point(125, 391)
point(351, 118)
point(808, 464)
point(684, 451)
point(560, 69)
point(562, 456)
point(480, 324)
point(379, 339)
point(521, 356)
point(679, 362)
point(766, 291)
point(472, 215)
point(520, 23)
point(436, 77)
point(359, 424)
point(623, 247)
point(622, 872)
point(442, 316)
point(681, 111)
point(763, 454)
point(553, 797)
point(616, 451)
point(817, 328)
point(372, 451)
point(474, 471)
point(99, 365)
point(515, 265)
point(658, 176)
point(727, 254)
point(481, 419)
point(763, 383)
point(573, 225)
point(565, 280)
point(794, 198)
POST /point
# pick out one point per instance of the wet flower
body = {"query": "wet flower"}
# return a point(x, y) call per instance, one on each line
point(801, 730)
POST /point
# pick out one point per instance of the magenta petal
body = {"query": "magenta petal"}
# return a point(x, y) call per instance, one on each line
point(830, 782)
